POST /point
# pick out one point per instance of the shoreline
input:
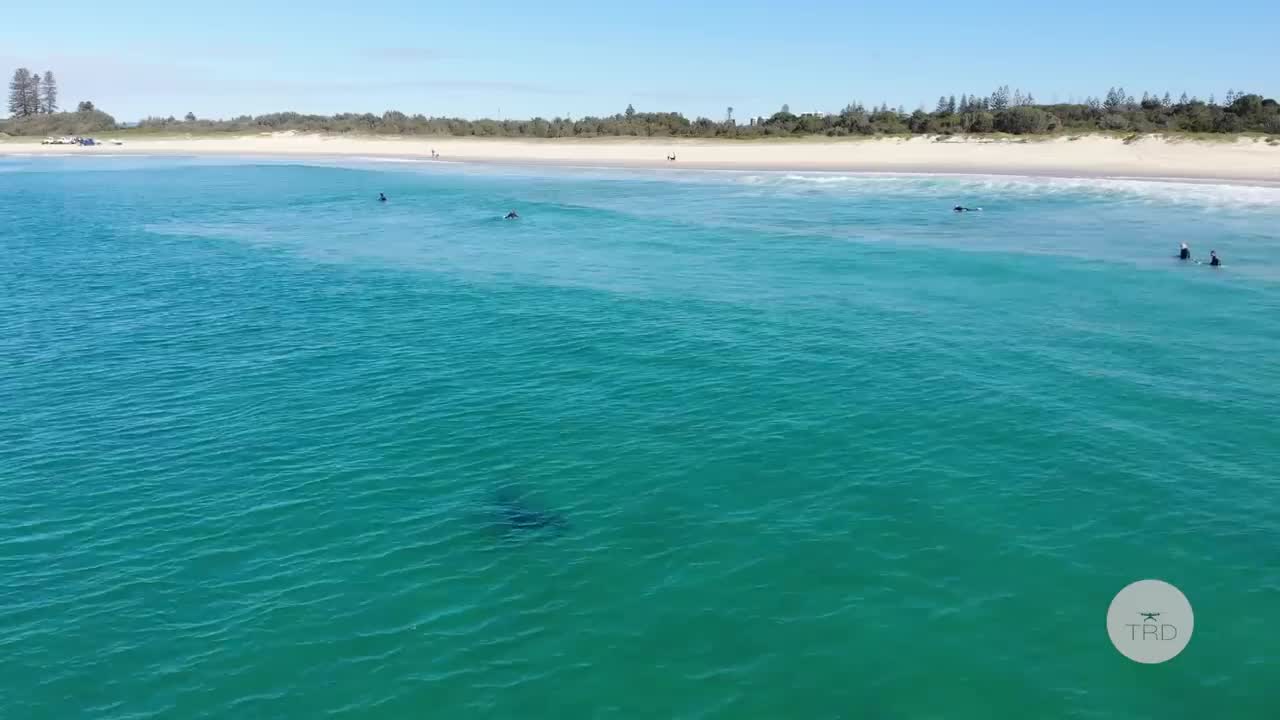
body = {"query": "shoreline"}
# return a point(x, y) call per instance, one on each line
point(1244, 161)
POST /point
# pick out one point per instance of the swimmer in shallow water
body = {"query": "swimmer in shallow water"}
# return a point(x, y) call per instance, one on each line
point(1213, 259)
point(1184, 253)
point(511, 216)
point(382, 198)
point(961, 208)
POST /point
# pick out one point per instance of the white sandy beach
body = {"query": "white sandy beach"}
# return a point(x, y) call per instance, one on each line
point(1245, 160)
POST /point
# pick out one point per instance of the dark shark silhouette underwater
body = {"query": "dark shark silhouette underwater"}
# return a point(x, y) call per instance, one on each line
point(515, 515)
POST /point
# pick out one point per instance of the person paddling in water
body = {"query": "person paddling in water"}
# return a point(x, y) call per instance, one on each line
point(961, 208)
point(382, 197)
point(1184, 253)
point(511, 216)
point(1213, 259)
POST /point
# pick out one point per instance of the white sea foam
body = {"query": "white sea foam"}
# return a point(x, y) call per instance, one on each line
point(390, 160)
point(978, 187)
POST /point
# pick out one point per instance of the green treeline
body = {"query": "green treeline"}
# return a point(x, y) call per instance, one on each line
point(1000, 112)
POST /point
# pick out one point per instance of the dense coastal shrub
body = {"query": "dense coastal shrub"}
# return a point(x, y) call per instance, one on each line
point(1025, 121)
point(982, 122)
point(1113, 122)
point(58, 124)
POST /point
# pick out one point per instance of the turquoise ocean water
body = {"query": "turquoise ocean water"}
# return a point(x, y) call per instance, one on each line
point(673, 445)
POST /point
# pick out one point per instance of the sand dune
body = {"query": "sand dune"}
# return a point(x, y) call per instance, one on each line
point(1243, 160)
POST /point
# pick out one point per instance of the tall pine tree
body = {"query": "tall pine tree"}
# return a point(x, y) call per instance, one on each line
point(50, 93)
point(20, 93)
point(33, 94)
point(1000, 98)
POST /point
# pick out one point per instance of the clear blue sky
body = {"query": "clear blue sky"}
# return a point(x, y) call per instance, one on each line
point(484, 58)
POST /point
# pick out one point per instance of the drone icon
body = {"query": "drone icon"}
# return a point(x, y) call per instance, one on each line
point(1149, 616)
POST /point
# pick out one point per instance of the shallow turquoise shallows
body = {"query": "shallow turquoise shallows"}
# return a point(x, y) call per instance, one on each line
point(672, 445)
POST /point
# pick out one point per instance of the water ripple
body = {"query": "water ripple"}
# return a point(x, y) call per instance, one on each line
point(262, 459)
